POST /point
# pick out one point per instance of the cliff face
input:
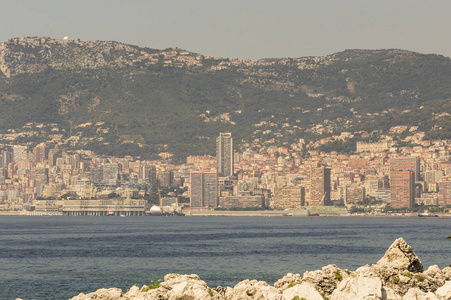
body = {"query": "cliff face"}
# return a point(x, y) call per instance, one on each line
point(31, 55)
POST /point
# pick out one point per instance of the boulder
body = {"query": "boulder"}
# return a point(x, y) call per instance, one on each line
point(401, 256)
point(255, 290)
point(288, 279)
point(326, 279)
point(187, 287)
point(133, 293)
point(359, 288)
point(417, 294)
point(303, 290)
point(444, 292)
point(389, 294)
point(101, 294)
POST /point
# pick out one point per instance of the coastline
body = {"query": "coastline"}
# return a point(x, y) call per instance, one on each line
point(257, 213)
point(398, 275)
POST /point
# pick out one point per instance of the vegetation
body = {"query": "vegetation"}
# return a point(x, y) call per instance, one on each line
point(291, 284)
point(149, 109)
point(419, 277)
point(395, 280)
point(338, 275)
point(151, 286)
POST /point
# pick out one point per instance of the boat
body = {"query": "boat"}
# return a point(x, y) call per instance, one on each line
point(110, 213)
point(427, 215)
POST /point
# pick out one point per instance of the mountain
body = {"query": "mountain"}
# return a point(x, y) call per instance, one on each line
point(173, 100)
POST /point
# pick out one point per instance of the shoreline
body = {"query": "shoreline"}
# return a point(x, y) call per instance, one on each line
point(398, 275)
point(258, 213)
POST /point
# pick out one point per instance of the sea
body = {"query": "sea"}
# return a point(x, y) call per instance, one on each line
point(59, 257)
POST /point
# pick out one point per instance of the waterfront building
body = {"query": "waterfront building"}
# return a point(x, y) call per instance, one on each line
point(104, 207)
point(354, 194)
point(444, 193)
point(319, 186)
point(242, 201)
point(289, 197)
point(383, 194)
point(224, 155)
point(203, 189)
point(402, 189)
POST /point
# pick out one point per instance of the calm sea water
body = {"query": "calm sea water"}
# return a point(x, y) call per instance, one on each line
point(59, 257)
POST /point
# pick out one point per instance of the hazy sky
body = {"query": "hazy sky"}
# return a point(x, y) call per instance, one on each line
point(243, 29)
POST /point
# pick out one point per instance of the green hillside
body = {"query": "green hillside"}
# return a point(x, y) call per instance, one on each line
point(178, 101)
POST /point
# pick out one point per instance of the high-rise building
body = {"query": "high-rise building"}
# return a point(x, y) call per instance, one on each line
point(224, 155)
point(53, 155)
point(411, 163)
point(165, 178)
point(319, 186)
point(444, 193)
point(204, 189)
point(6, 158)
point(148, 173)
point(41, 153)
point(111, 174)
point(402, 189)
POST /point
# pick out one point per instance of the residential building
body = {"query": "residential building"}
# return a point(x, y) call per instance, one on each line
point(203, 189)
point(319, 186)
point(402, 188)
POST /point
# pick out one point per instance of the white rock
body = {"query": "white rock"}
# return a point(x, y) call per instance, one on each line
point(253, 289)
point(444, 292)
point(417, 294)
point(101, 294)
point(389, 294)
point(303, 290)
point(288, 279)
point(133, 292)
point(401, 256)
point(186, 287)
point(361, 288)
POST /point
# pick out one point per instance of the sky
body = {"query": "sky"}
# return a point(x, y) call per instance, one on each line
point(245, 29)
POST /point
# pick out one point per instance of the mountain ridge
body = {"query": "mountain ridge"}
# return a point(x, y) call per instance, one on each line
point(182, 99)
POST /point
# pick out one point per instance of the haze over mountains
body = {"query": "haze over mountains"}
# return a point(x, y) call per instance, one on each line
point(148, 100)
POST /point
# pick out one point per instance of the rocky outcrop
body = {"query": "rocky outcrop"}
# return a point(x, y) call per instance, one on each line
point(399, 275)
point(102, 294)
point(32, 55)
point(327, 279)
point(253, 289)
point(401, 256)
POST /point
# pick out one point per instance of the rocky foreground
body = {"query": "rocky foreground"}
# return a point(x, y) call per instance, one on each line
point(399, 274)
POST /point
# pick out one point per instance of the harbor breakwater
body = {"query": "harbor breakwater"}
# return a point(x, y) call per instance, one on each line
point(398, 275)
